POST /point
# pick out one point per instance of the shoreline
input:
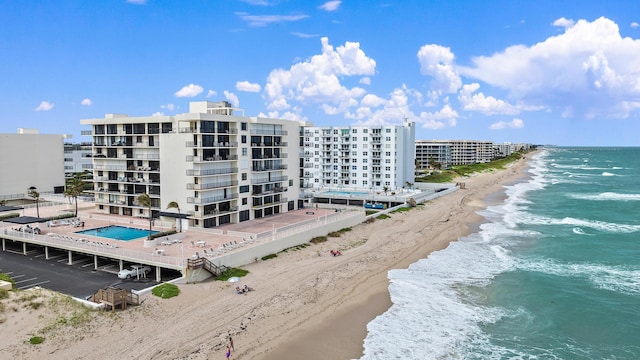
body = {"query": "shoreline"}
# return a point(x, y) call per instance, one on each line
point(327, 340)
point(307, 304)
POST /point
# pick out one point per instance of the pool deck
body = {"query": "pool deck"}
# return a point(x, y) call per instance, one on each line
point(190, 243)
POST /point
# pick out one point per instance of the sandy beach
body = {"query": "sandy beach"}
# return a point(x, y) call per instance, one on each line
point(307, 304)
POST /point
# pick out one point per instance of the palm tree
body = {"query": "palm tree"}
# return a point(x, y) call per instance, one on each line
point(145, 200)
point(175, 205)
point(74, 188)
point(34, 194)
point(385, 189)
point(409, 185)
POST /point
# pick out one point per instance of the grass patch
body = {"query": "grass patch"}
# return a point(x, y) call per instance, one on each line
point(370, 212)
point(401, 210)
point(166, 291)
point(383, 217)
point(295, 248)
point(334, 234)
point(35, 305)
point(344, 230)
point(231, 272)
point(7, 278)
point(318, 239)
point(270, 256)
point(4, 294)
point(8, 216)
point(35, 340)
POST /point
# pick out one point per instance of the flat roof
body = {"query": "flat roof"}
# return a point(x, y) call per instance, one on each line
point(22, 220)
point(9, 208)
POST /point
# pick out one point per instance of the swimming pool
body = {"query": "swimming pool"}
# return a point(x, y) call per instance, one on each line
point(117, 232)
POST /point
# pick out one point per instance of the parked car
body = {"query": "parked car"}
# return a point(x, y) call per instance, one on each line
point(134, 271)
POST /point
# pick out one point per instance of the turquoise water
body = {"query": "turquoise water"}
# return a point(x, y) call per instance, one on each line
point(554, 273)
point(117, 232)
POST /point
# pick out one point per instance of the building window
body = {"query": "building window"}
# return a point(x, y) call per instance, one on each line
point(354, 167)
point(244, 189)
point(388, 131)
point(354, 146)
point(244, 176)
point(243, 126)
point(244, 151)
point(243, 139)
point(364, 182)
point(365, 168)
point(244, 201)
point(354, 139)
point(388, 138)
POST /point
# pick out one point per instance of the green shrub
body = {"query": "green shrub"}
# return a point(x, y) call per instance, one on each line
point(270, 256)
point(383, 216)
point(344, 230)
point(166, 291)
point(318, 239)
point(164, 233)
point(36, 340)
point(8, 216)
point(401, 210)
point(334, 234)
point(60, 217)
point(231, 272)
point(7, 278)
point(370, 212)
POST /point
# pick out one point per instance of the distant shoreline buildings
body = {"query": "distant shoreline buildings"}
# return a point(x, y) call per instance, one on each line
point(220, 167)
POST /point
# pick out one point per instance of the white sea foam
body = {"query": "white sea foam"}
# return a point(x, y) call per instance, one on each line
point(436, 312)
point(579, 231)
point(606, 196)
point(613, 278)
point(608, 174)
point(593, 224)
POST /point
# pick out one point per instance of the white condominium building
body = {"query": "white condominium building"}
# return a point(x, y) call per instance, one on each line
point(372, 157)
point(30, 159)
point(433, 153)
point(218, 167)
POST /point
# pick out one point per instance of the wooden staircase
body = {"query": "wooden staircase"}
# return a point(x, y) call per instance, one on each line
point(205, 264)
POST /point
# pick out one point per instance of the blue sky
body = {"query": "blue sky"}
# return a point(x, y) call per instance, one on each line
point(545, 72)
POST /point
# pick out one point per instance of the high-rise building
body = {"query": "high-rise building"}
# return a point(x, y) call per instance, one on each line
point(371, 157)
point(217, 166)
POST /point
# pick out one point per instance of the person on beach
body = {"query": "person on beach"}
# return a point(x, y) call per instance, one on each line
point(228, 352)
point(231, 343)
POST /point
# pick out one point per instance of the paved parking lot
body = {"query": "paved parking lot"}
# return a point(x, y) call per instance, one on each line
point(79, 280)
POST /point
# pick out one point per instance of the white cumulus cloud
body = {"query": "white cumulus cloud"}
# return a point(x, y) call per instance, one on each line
point(86, 102)
point(190, 90)
point(513, 124)
point(318, 79)
point(44, 106)
point(157, 113)
point(487, 105)
point(331, 5)
point(563, 22)
point(589, 70)
point(233, 99)
point(169, 107)
point(438, 62)
point(247, 86)
point(211, 93)
point(365, 80)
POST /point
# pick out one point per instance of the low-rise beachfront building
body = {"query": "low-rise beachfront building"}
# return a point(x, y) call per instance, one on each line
point(358, 157)
point(433, 153)
point(507, 148)
point(465, 152)
point(30, 159)
point(218, 167)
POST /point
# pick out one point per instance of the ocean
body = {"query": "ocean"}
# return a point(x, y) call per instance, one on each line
point(553, 272)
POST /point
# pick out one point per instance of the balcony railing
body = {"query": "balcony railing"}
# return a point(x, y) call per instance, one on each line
point(211, 199)
point(209, 172)
point(215, 185)
point(272, 180)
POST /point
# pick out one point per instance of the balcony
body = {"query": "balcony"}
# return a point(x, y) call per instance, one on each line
point(191, 158)
point(215, 185)
point(272, 180)
point(267, 168)
point(211, 172)
point(211, 199)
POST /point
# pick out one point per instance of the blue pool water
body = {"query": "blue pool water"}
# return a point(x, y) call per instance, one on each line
point(117, 232)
